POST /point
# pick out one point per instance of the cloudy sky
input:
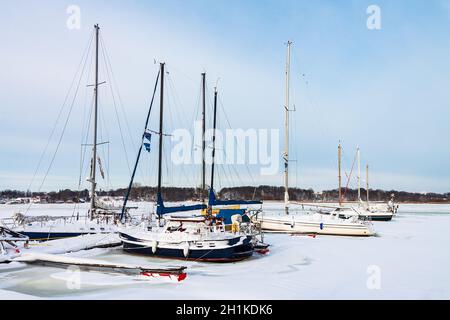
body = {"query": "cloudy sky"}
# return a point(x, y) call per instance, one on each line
point(385, 90)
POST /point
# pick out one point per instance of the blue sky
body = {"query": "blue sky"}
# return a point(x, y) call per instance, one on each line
point(384, 90)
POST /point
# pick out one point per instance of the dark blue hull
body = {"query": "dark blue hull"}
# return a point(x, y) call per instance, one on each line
point(230, 254)
point(373, 218)
point(380, 218)
point(45, 236)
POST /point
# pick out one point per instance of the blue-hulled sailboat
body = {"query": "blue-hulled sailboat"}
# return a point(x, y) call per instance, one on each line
point(199, 238)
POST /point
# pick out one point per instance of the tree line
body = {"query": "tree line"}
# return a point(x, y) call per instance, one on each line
point(267, 193)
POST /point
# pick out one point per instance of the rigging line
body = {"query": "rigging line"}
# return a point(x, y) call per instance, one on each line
point(115, 109)
point(220, 181)
point(105, 157)
point(191, 80)
point(230, 168)
point(177, 105)
point(196, 175)
point(228, 121)
point(166, 145)
point(121, 105)
point(62, 133)
point(87, 49)
point(349, 177)
point(103, 127)
point(85, 142)
point(83, 149)
point(142, 142)
point(86, 106)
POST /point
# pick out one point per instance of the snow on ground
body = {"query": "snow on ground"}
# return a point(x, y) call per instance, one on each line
point(408, 259)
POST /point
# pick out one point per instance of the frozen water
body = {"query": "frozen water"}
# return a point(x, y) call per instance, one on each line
point(408, 259)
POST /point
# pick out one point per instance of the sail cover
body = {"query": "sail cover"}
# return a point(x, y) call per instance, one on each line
point(162, 210)
point(212, 201)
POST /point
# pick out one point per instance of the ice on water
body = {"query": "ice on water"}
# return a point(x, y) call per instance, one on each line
point(408, 259)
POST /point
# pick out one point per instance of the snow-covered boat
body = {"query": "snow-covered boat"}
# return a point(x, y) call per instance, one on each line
point(200, 238)
point(9, 247)
point(190, 238)
point(103, 214)
point(45, 228)
point(316, 223)
point(377, 212)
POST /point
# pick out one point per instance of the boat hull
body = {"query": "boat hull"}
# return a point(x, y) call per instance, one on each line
point(324, 228)
point(47, 236)
point(387, 217)
point(233, 253)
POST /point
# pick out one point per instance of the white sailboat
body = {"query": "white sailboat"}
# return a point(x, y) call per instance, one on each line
point(374, 211)
point(317, 223)
point(102, 216)
point(363, 210)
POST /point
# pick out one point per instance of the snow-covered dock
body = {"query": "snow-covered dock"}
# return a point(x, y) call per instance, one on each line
point(172, 273)
point(53, 254)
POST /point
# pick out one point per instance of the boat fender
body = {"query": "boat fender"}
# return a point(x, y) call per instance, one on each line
point(321, 226)
point(186, 249)
point(154, 246)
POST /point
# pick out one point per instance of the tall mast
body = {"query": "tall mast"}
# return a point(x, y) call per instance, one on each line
point(214, 138)
point(339, 173)
point(203, 136)
point(359, 175)
point(286, 127)
point(367, 183)
point(94, 144)
point(130, 185)
point(161, 118)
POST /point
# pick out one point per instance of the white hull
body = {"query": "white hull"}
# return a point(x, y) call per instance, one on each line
point(308, 225)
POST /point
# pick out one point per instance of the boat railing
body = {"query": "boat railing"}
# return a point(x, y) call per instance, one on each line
point(19, 219)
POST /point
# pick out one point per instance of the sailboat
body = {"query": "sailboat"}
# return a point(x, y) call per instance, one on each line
point(380, 211)
point(102, 217)
point(199, 238)
point(363, 210)
point(315, 223)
